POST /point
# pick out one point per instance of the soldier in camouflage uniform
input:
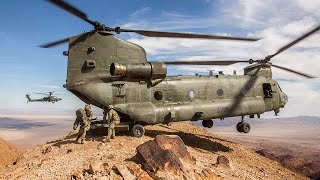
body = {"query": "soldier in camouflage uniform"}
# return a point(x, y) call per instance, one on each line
point(89, 113)
point(113, 120)
point(84, 125)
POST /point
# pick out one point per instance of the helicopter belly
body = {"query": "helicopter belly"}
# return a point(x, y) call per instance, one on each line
point(150, 113)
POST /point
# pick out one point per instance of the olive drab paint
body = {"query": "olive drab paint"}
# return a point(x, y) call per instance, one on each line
point(104, 70)
point(141, 90)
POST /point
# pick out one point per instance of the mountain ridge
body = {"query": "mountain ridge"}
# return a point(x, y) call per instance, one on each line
point(64, 159)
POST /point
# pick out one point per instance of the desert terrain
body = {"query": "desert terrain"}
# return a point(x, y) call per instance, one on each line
point(27, 131)
point(210, 158)
point(294, 141)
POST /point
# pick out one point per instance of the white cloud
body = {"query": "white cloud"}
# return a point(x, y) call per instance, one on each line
point(49, 86)
point(277, 22)
point(140, 12)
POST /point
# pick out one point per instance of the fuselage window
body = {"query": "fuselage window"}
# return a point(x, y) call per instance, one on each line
point(220, 92)
point(267, 90)
point(191, 95)
point(158, 95)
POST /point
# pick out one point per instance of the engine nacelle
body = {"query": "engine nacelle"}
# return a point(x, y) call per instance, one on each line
point(141, 71)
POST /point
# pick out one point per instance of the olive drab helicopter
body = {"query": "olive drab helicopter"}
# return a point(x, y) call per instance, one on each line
point(47, 98)
point(106, 70)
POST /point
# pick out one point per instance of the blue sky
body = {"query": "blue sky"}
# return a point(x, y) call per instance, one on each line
point(27, 68)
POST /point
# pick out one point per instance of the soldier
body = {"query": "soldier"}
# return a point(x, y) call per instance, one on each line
point(84, 125)
point(89, 113)
point(113, 119)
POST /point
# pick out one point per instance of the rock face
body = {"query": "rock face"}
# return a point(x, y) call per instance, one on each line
point(167, 157)
point(8, 154)
point(165, 153)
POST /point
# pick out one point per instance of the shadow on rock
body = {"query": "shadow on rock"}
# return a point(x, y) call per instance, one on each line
point(63, 142)
point(193, 141)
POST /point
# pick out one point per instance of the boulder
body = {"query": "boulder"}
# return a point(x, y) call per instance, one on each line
point(223, 161)
point(164, 154)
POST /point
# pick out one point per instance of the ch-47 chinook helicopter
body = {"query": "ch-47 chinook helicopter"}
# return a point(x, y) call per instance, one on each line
point(106, 70)
point(47, 98)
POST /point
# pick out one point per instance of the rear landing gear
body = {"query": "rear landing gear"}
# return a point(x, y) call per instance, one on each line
point(243, 127)
point(207, 123)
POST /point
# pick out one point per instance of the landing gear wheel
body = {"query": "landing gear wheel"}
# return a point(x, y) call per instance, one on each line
point(138, 130)
point(207, 123)
point(245, 127)
point(239, 127)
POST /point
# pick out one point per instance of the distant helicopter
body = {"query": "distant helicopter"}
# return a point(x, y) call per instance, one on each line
point(48, 98)
point(106, 70)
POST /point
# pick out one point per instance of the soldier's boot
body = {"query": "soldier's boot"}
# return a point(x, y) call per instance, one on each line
point(82, 141)
point(108, 140)
point(77, 140)
point(113, 134)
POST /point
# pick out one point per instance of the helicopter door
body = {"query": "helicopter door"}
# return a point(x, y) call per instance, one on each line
point(267, 90)
point(268, 95)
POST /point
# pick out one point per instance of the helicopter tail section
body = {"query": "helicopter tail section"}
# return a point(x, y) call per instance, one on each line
point(28, 97)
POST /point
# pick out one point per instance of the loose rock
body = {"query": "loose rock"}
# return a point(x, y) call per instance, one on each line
point(95, 167)
point(47, 150)
point(223, 161)
point(125, 173)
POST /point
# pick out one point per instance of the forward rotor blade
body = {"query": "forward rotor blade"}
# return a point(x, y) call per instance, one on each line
point(293, 71)
point(55, 43)
point(296, 41)
point(186, 35)
point(221, 63)
point(40, 93)
point(71, 9)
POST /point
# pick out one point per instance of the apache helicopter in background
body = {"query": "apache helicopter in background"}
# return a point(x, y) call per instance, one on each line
point(48, 98)
point(106, 70)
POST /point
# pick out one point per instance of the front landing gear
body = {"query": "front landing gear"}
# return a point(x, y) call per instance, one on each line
point(243, 127)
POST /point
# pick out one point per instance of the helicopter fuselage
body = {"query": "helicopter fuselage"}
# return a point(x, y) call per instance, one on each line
point(167, 99)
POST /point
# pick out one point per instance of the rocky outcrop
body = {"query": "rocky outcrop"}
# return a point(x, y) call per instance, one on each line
point(8, 154)
point(166, 156)
point(311, 169)
point(185, 152)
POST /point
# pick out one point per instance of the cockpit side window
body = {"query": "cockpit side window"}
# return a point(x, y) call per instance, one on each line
point(267, 90)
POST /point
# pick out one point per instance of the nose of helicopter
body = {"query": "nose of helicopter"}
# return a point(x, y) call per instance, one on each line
point(284, 99)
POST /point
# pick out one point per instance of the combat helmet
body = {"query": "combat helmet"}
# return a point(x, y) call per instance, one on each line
point(80, 112)
point(110, 106)
point(87, 107)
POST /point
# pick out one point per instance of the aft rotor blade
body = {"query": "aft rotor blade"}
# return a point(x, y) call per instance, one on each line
point(73, 10)
point(55, 43)
point(186, 35)
point(296, 41)
point(221, 63)
point(293, 71)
